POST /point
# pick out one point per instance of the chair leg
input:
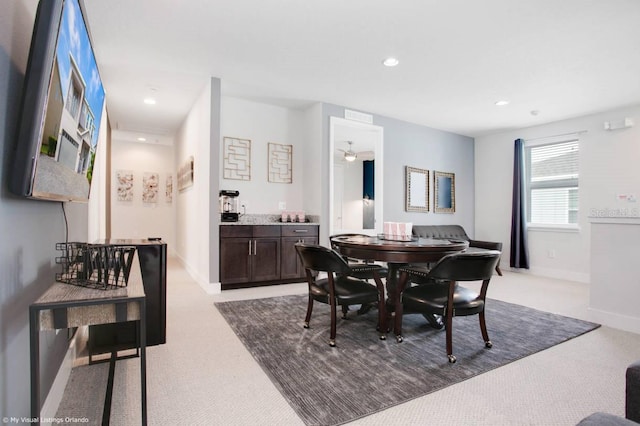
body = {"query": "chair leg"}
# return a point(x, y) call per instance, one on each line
point(449, 323)
point(382, 319)
point(309, 310)
point(332, 337)
point(345, 309)
point(483, 329)
point(498, 270)
point(397, 326)
point(449, 327)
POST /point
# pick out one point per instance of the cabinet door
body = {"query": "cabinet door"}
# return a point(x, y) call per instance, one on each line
point(291, 266)
point(265, 259)
point(235, 260)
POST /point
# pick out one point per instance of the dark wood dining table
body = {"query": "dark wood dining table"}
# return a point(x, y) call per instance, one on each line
point(397, 253)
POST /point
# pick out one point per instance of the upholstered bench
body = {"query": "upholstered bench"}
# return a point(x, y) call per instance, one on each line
point(455, 232)
point(632, 404)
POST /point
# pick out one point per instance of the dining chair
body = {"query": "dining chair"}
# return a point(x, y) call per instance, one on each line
point(363, 269)
point(340, 287)
point(437, 291)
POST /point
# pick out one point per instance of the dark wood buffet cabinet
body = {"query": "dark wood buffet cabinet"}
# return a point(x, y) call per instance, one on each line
point(255, 255)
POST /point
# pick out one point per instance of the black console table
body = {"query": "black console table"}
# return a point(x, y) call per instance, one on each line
point(66, 306)
point(107, 338)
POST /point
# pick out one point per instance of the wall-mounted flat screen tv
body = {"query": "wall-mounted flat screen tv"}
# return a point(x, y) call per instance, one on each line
point(61, 110)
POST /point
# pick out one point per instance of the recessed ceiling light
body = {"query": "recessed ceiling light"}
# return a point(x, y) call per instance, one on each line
point(141, 139)
point(150, 101)
point(390, 62)
point(502, 103)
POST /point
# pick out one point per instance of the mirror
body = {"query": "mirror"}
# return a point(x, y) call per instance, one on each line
point(416, 189)
point(355, 183)
point(445, 192)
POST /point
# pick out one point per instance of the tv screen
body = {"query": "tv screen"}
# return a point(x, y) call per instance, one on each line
point(62, 107)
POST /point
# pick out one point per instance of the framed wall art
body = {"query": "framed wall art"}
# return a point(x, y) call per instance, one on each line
point(185, 174)
point(168, 189)
point(416, 189)
point(124, 179)
point(150, 183)
point(236, 161)
point(445, 192)
point(280, 163)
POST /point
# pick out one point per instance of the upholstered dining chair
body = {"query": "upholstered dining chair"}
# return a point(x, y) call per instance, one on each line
point(438, 292)
point(363, 269)
point(339, 288)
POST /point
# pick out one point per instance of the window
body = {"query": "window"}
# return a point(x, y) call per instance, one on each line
point(552, 182)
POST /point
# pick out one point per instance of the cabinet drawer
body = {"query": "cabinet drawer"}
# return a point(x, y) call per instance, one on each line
point(299, 230)
point(260, 231)
point(235, 231)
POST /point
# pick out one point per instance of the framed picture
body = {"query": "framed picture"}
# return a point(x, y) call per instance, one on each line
point(124, 180)
point(280, 163)
point(168, 189)
point(445, 192)
point(150, 182)
point(416, 189)
point(236, 161)
point(185, 174)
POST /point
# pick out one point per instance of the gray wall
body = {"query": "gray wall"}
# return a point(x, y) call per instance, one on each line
point(407, 144)
point(28, 231)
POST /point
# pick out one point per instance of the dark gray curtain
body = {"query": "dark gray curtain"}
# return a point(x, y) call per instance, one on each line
point(519, 247)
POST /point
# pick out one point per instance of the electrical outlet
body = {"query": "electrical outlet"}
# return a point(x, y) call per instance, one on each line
point(551, 254)
point(282, 205)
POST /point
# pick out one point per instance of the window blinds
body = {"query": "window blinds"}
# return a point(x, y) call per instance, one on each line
point(552, 182)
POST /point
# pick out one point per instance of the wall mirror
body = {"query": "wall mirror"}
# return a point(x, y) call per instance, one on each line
point(416, 189)
point(445, 192)
point(356, 178)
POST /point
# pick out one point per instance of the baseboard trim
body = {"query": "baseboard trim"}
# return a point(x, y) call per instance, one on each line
point(559, 274)
point(615, 320)
point(211, 288)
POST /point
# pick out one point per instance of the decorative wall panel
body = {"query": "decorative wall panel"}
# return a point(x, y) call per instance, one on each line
point(280, 163)
point(237, 159)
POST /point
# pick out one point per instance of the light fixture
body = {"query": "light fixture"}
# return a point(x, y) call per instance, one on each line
point(141, 139)
point(502, 102)
point(150, 101)
point(349, 154)
point(390, 62)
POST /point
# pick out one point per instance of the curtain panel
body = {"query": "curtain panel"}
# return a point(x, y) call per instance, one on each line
point(519, 247)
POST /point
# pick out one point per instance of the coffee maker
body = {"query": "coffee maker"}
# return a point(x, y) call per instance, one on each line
point(229, 205)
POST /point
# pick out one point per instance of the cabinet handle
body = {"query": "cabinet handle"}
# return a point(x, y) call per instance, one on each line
point(255, 247)
point(249, 247)
point(300, 230)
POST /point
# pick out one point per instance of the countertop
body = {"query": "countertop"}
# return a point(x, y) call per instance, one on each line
point(270, 219)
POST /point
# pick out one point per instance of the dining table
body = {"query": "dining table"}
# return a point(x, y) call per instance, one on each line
point(397, 252)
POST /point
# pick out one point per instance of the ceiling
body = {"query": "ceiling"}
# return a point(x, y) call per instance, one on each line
point(551, 59)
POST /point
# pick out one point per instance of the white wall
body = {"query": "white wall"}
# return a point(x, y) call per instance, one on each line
point(29, 229)
point(263, 123)
point(136, 219)
point(193, 212)
point(608, 167)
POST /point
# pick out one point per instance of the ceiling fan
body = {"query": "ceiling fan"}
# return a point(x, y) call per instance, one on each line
point(350, 155)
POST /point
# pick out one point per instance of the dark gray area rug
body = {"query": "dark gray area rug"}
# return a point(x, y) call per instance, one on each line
point(363, 375)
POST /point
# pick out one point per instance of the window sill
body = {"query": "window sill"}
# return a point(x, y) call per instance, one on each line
point(542, 227)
